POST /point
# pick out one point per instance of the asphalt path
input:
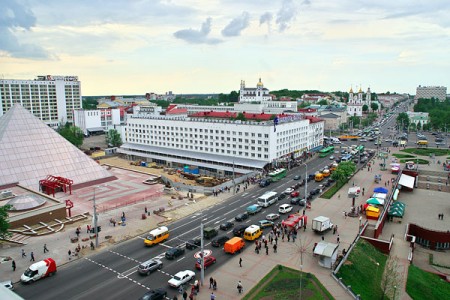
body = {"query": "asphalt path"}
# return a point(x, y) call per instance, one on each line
point(112, 273)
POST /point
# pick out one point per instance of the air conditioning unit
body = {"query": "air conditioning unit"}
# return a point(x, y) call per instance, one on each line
point(6, 194)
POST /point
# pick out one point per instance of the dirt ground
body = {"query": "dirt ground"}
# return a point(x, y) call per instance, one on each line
point(94, 141)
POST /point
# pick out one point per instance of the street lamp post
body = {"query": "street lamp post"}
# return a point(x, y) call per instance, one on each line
point(95, 220)
point(306, 181)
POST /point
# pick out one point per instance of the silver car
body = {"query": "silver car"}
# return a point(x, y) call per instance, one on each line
point(149, 266)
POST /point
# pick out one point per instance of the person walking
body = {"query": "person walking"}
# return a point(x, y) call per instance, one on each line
point(338, 239)
point(70, 254)
point(240, 288)
point(211, 281)
point(275, 248)
point(215, 285)
point(32, 256)
point(267, 250)
point(240, 262)
point(45, 248)
point(185, 295)
point(13, 265)
point(88, 228)
point(23, 254)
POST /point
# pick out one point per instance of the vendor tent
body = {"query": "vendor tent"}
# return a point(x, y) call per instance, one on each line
point(379, 195)
point(406, 181)
point(372, 212)
point(380, 190)
point(375, 201)
point(397, 209)
point(327, 253)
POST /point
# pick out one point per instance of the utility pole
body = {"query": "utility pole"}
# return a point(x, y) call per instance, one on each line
point(202, 259)
point(234, 181)
point(95, 220)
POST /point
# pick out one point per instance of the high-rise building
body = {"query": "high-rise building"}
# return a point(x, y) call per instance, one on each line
point(50, 98)
point(428, 92)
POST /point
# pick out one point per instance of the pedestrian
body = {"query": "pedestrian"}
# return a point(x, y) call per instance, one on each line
point(339, 196)
point(334, 229)
point(289, 237)
point(77, 232)
point(240, 287)
point(23, 254)
point(45, 248)
point(211, 281)
point(323, 238)
point(88, 228)
point(185, 295)
point(337, 239)
point(304, 227)
point(32, 256)
point(215, 285)
point(13, 265)
point(213, 296)
point(275, 248)
point(70, 254)
point(240, 262)
point(145, 209)
point(267, 250)
point(92, 245)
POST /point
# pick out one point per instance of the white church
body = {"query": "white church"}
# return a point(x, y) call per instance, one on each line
point(260, 94)
point(356, 101)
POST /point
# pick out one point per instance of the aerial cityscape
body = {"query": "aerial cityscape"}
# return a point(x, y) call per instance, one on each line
point(224, 150)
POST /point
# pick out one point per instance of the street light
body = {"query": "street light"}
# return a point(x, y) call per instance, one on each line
point(306, 180)
point(95, 218)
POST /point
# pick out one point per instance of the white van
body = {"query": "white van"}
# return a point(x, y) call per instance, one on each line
point(267, 199)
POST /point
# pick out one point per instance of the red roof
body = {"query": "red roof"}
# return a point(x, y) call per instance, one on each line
point(214, 114)
point(313, 119)
point(307, 110)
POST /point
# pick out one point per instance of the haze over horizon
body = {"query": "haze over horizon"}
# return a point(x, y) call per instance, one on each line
point(198, 46)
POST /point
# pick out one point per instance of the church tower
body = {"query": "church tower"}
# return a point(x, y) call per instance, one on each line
point(350, 95)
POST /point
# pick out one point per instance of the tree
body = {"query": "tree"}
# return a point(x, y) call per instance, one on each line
point(339, 175)
point(403, 120)
point(419, 126)
point(391, 281)
point(113, 138)
point(365, 108)
point(234, 96)
point(374, 106)
point(322, 102)
point(241, 117)
point(72, 133)
point(343, 171)
point(4, 224)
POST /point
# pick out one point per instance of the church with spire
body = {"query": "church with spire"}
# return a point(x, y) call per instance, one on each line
point(356, 101)
point(260, 94)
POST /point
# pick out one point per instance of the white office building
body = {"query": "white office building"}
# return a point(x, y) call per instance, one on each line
point(218, 145)
point(50, 98)
point(97, 120)
point(428, 92)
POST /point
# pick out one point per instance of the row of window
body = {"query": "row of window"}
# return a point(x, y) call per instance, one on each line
point(172, 128)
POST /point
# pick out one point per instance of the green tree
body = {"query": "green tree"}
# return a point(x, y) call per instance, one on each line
point(113, 138)
point(365, 108)
point(241, 117)
point(233, 97)
point(339, 175)
point(419, 126)
point(72, 133)
point(89, 102)
point(403, 119)
point(4, 224)
point(303, 104)
point(348, 168)
point(322, 102)
point(355, 120)
point(374, 106)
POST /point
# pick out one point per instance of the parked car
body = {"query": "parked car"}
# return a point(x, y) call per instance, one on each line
point(295, 194)
point(332, 157)
point(174, 252)
point(272, 217)
point(181, 278)
point(265, 223)
point(285, 208)
point(297, 177)
point(281, 196)
point(219, 241)
point(288, 191)
point(156, 294)
point(149, 266)
point(208, 260)
point(241, 217)
point(295, 200)
point(238, 230)
point(193, 243)
point(302, 183)
point(227, 225)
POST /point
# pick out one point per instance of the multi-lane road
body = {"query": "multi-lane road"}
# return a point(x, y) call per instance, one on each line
point(112, 273)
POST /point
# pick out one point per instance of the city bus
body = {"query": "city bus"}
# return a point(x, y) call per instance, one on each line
point(326, 151)
point(267, 199)
point(278, 174)
point(360, 149)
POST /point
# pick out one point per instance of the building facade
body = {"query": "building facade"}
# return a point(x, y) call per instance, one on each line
point(418, 117)
point(260, 94)
point(50, 98)
point(98, 120)
point(428, 92)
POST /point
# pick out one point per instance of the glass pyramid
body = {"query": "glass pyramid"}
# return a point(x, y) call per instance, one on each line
point(30, 150)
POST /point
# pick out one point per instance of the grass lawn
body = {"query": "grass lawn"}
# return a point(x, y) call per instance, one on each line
point(427, 151)
point(424, 285)
point(361, 270)
point(332, 190)
point(401, 155)
point(415, 160)
point(284, 284)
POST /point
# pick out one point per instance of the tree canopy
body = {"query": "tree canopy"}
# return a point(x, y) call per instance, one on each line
point(4, 224)
point(403, 119)
point(72, 133)
point(365, 108)
point(374, 106)
point(438, 112)
point(113, 138)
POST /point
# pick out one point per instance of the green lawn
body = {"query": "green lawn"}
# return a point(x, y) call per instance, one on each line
point(419, 161)
point(362, 272)
point(283, 283)
point(427, 151)
point(424, 285)
point(333, 189)
point(401, 155)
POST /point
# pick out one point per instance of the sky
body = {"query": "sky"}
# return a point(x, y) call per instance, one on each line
point(131, 47)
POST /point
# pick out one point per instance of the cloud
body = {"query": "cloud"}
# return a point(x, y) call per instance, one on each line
point(236, 25)
point(286, 15)
point(265, 18)
point(197, 36)
point(14, 16)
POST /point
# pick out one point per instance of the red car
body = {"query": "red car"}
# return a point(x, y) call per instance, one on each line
point(209, 260)
point(295, 194)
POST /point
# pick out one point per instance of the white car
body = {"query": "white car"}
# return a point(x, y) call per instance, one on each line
point(285, 208)
point(181, 278)
point(272, 217)
point(288, 191)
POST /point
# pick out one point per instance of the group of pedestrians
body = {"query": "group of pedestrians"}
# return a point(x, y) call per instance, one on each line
point(212, 283)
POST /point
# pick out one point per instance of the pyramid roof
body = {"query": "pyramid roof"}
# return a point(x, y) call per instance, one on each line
point(30, 150)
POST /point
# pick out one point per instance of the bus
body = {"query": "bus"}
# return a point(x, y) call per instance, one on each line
point(326, 151)
point(360, 149)
point(267, 199)
point(347, 157)
point(278, 174)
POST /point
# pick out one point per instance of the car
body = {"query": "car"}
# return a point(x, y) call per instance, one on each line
point(155, 294)
point(272, 217)
point(239, 230)
point(265, 182)
point(288, 191)
point(208, 260)
point(281, 196)
point(227, 225)
point(327, 183)
point(174, 252)
point(241, 217)
point(285, 208)
point(315, 191)
point(265, 224)
point(440, 143)
point(296, 186)
point(332, 157)
point(149, 266)
point(295, 200)
point(388, 140)
point(371, 139)
point(302, 183)
point(181, 278)
point(295, 194)
point(297, 177)
point(193, 243)
point(363, 140)
point(219, 241)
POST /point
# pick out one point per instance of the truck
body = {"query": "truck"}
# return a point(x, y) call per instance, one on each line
point(295, 221)
point(38, 270)
point(233, 245)
point(321, 224)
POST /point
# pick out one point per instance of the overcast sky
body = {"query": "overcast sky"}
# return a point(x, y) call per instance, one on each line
point(122, 47)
